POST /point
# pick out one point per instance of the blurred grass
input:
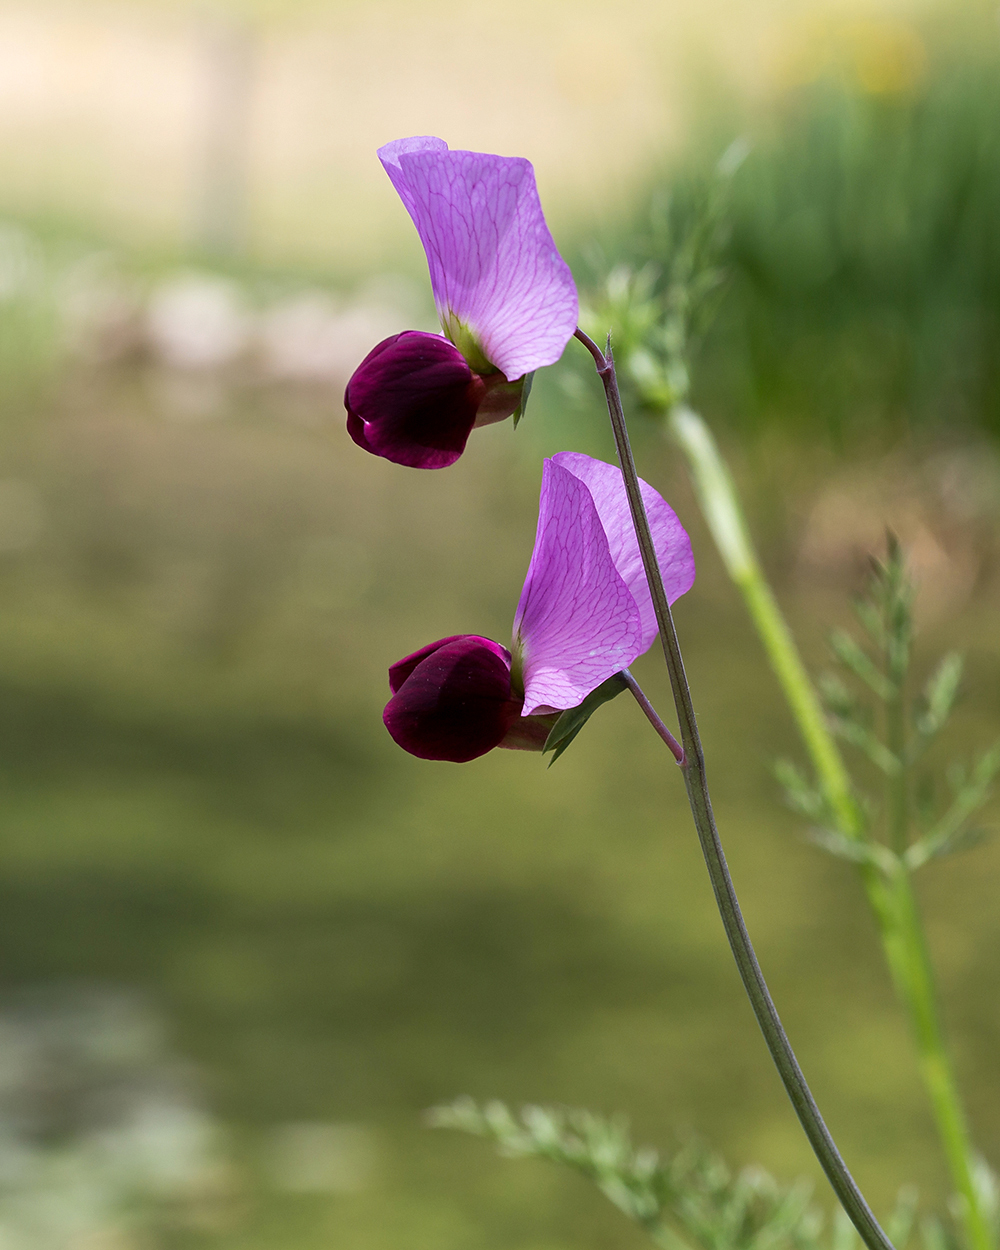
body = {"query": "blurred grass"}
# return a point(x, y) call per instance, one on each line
point(863, 255)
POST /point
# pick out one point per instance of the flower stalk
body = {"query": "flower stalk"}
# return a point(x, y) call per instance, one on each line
point(653, 717)
point(888, 885)
point(763, 1006)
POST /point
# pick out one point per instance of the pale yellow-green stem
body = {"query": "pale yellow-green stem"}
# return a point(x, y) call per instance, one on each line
point(890, 894)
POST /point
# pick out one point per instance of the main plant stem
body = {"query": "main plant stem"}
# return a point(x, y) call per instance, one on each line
point(781, 1051)
point(891, 898)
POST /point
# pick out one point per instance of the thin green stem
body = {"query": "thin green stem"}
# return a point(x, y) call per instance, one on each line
point(781, 1051)
point(718, 500)
point(913, 975)
point(897, 784)
point(891, 897)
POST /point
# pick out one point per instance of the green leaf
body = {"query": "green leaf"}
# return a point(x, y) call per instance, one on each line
point(869, 616)
point(855, 850)
point(934, 1235)
point(987, 1186)
point(939, 694)
point(971, 792)
point(925, 850)
point(852, 656)
point(862, 738)
point(800, 795)
point(572, 721)
point(837, 698)
point(525, 392)
point(899, 1226)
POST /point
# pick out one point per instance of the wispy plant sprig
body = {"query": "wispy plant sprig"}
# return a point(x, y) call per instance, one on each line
point(909, 826)
point(686, 1200)
point(659, 309)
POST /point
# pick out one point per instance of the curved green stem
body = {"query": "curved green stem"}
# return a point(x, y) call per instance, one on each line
point(891, 897)
point(781, 1051)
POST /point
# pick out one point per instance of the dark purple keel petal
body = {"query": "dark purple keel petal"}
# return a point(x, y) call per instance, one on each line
point(413, 400)
point(402, 669)
point(452, 700)
point(356, 429)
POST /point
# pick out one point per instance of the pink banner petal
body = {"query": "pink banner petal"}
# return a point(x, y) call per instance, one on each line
point(670, 539)
point(576, 623)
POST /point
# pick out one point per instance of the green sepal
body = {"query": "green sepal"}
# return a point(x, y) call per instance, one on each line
point(525, 392)
point(573, 720)
point(467, 344)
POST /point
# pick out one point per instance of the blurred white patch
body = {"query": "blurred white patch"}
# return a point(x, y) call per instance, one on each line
point(102, 1136)
point(22, 515)
point(322, 1158)
point(22, 264)
point(937, 509)
point(198, 321)
point(101, 310)
point(968, 480)
point(164, 1144)
point(313, 338)
point(300, 338)
point(733, 157)
point(189, 396)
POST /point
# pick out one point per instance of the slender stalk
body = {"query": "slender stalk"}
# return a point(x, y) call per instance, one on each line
point(897, 659)
point(718, 501)
point(653, 717)
point(892, 900)
point(915, 984)
point(701, 808)
point(898, 796)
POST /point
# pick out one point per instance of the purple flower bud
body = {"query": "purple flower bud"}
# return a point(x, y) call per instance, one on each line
point(413, 399)
point(452, 700)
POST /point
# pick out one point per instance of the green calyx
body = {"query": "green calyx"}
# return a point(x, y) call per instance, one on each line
point(468, 345)
point(517, 669)
point(572, 721)
point(503, 399)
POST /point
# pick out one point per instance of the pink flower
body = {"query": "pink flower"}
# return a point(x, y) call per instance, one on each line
point(506, 299)
point(585, 613)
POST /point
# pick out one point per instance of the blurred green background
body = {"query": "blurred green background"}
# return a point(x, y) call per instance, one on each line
point(246, 941)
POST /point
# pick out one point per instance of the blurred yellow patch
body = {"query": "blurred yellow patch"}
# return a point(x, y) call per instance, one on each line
point(882, 56)
point(889, 57)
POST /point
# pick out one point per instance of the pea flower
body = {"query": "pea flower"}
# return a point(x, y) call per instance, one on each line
point(585, 613)
point(506, 299)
